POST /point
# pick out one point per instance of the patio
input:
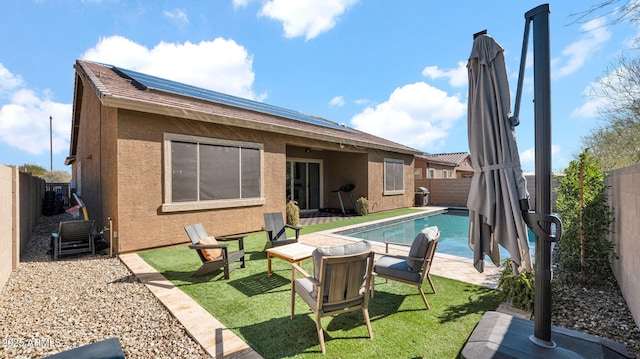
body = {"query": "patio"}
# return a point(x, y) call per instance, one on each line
point(218, 341)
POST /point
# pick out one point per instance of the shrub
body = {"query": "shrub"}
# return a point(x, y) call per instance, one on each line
point(584, 249)
point(518, 289)
point(293, 213)
point(362, 206)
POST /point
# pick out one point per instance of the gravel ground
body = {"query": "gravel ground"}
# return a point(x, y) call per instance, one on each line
point(597, 309)
point(49, 307)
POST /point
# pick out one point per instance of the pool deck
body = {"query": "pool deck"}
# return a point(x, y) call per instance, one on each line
point(221, 342)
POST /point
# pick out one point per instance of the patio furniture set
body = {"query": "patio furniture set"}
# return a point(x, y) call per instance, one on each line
point(342, 278)
point(342, 274)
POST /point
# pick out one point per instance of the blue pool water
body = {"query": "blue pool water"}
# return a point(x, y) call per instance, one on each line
point(453, 225)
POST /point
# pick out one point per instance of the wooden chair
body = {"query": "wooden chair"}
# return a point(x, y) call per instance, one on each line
point(415, 267)
point(73, 237)
point(276, 230)
point(213, 254)
point(343, 275)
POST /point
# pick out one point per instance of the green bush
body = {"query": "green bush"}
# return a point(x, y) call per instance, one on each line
point(584, 250)
point(362, 206)
point(293, 213)
point(518, 289)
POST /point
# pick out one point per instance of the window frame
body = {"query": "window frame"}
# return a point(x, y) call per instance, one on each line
point(395, 191)
point(169, 206)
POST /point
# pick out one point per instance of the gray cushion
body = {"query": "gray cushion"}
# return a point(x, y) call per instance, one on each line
point(419, 247)
point(395, 267)
point(344, 250)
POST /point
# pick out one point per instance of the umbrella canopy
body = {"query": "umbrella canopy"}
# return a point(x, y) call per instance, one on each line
point(498, 185)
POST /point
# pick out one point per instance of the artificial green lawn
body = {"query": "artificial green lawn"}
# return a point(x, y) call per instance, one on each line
point(257, 308)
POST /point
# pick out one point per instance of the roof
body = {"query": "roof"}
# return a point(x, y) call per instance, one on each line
point(455, 159)
point(126, 89)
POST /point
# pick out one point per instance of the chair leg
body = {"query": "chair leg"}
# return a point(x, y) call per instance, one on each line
point(225, 258)
point(293, 299)
point(424, 299)
point(365, 311)
point(320, 333)
point(431, 284)
point(373, 285)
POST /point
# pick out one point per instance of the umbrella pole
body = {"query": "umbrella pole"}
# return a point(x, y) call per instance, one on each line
point(542, 107)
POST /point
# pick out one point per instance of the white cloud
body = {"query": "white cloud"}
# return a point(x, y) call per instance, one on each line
point(589, 109)
point(240, 3)
point(305, 17)
point(219, 65)
point(457, 77)
point(337, 101)
point(8, 81)
point(178, 16)
point(595, 33)
point(24, 121)
point(417, 115)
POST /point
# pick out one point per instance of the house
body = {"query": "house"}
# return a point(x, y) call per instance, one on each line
point(155, 155)
point(443, 165)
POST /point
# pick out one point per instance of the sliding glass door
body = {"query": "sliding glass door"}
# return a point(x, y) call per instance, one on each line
point(304, 183)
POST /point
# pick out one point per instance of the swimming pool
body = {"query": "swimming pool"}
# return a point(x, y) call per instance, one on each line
point(453, 225)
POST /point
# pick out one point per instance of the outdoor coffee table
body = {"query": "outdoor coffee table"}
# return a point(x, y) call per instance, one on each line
point(291, 253)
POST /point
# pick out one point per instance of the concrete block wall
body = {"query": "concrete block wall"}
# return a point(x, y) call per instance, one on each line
point(454, 191)
point(8, 247)
point(624, 198)
point(20, 209)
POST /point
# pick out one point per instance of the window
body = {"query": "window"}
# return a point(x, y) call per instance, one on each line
point(202, 173)
point(393, 176)
point(431, 173)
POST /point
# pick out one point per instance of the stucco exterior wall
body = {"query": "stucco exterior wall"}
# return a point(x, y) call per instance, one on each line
point(87, 169)
point(624, 198)
point(141, 221)
point(341, 169)
point(378, 201)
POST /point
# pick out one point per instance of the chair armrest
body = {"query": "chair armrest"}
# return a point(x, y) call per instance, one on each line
point(417, 259)
point(296, 267)
point(391, 255)
point(231, 238)
point(295, 228)
point(208, 246)
point(386, 245)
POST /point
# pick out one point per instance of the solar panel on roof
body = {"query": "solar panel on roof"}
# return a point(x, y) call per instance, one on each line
point(151, 82)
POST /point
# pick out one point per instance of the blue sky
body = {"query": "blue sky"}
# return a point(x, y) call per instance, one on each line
point(395, 69)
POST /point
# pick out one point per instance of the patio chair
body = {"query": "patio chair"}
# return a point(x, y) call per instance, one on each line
point(415, 267)
point(215, 255)
point(72, 237)
point(276, 230)
point(343, 275)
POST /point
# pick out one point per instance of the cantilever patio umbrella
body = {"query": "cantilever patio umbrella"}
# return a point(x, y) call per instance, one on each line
point(497, 186)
